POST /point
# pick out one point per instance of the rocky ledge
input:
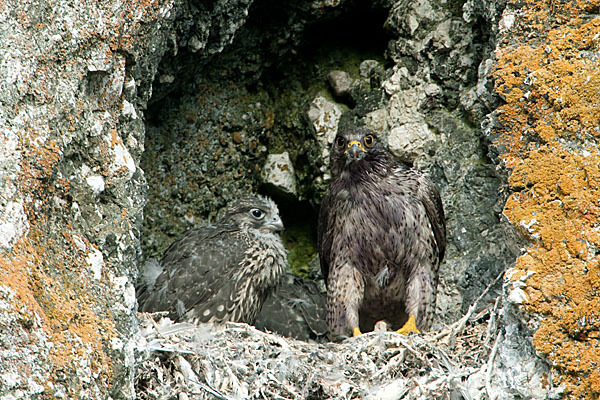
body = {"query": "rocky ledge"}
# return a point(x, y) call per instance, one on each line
point(123, 124)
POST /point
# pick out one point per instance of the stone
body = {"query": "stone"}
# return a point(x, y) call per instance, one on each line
point(324, 116)
point(13, 220)
point(377, 120)
point(518, 371)
point(370, 68)
point(279, 172)
point(13, 223)
point(340, 83)
point(411, 141)
point(96, 182)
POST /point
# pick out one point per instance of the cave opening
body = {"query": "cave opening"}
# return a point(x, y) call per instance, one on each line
point(214, 117)
point(217, 113)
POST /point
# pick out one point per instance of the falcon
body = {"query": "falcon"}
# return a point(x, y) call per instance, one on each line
point(219, 272)
point(296, 308)
point(381, 237)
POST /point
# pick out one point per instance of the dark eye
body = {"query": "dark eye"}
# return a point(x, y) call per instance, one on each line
point(369, 140)
point(340, 142)
point(257, 213)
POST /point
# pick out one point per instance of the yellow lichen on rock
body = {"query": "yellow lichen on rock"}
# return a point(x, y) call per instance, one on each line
point(66, 258)
point(549, 127)
point(66, 317)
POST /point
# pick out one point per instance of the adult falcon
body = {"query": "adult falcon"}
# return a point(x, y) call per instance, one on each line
point(382, 236)
point(220, 272)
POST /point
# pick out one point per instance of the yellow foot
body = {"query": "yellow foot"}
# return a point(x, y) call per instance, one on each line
point(356, 331)
point(409, 327)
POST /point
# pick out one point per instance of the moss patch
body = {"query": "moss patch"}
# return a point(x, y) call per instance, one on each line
point(299, 238)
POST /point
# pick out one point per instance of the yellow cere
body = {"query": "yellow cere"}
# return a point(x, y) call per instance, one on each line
point(358, 144)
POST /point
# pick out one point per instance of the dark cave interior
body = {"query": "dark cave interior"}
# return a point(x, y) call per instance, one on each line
point(281, 55)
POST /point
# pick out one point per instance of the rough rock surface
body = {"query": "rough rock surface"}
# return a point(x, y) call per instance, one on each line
point(75, 77)
point(546, 135)
point(175, 106)
point(279, 172)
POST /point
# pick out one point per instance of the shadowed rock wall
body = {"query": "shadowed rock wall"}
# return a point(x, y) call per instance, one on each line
point(417, 71)
point(176, 106)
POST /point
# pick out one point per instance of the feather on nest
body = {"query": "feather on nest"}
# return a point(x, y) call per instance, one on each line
point(237, 361)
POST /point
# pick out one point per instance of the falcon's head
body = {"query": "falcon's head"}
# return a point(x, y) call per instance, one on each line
point(357, 148)
point(259, 213)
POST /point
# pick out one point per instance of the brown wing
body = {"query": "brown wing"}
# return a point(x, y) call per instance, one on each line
point(430, 197)
point(324, 238)
point(197, 272)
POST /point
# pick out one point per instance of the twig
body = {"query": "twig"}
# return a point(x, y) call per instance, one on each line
point(490, 367)
point(418, 385)
point(206, 387)
point(212, 391)
point(306, 387)
point(390, 365)
point(492, 324)
point(445, 360)
point(155, 324)
point(458, 327)
point(235, 326)
point(273, 394)
point(463, 321)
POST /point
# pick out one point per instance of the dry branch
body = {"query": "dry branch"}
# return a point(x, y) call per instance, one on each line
point(235, 361)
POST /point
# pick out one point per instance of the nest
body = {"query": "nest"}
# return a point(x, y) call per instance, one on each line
point(237, 361)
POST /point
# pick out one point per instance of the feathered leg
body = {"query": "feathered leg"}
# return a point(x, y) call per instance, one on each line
point(420, 295)
point(345, 290)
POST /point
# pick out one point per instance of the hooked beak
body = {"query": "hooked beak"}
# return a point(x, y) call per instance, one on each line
point(275, 224)
point(354, 152)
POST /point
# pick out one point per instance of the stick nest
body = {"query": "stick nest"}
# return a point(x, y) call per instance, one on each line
point(236, 361)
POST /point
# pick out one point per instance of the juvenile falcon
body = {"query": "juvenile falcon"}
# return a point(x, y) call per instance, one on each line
point(296, 308)
point(382, 236)
point(220, 272)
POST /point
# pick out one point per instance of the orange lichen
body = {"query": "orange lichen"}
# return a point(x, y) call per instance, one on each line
point(47, 268)
point(66, 313)
point(550, 79)
point(49, 275)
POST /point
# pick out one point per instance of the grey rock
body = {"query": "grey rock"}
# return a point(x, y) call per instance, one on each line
point(324, 116)
point(518, 371)
point(340, 83)
point(411, 141)
point(481, 246)
point(178, 116)
point(279, 172)
point(377, 120)
point(371, 69)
